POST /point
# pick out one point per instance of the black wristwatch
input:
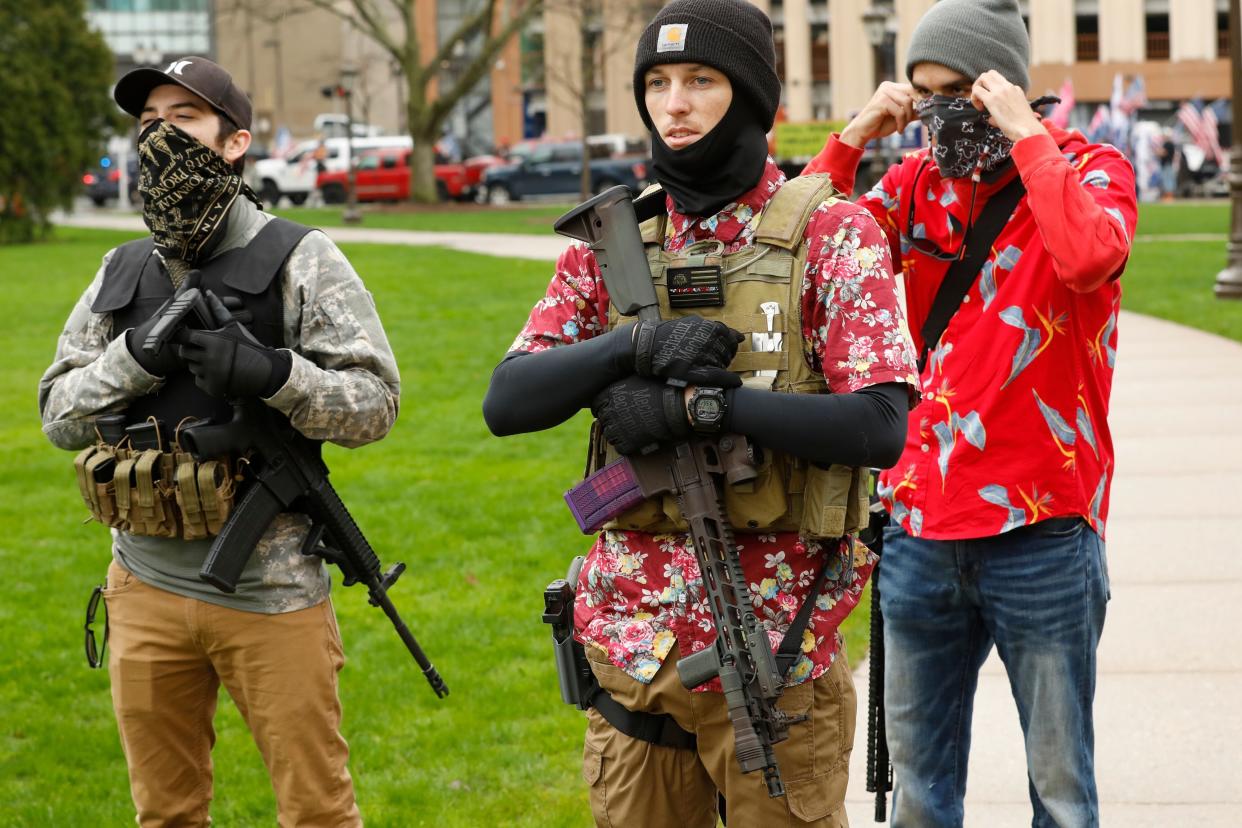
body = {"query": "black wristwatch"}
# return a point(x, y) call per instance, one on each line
point(708, 407)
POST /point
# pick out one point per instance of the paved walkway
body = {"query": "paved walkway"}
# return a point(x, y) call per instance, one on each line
point(1169, 700)
point(513, 245)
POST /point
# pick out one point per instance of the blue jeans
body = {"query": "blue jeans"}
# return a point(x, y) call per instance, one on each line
point(1038, 593)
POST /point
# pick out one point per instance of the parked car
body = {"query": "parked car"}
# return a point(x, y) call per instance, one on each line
point(103, 183)
point(383, 174)
point(555, 169)
point(296, 174)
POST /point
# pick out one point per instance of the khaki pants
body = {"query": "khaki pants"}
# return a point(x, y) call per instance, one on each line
point(637, 783)
point(167, 657)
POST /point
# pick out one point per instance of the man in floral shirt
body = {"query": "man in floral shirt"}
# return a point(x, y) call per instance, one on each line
point(706, 86)
point(1000, 499)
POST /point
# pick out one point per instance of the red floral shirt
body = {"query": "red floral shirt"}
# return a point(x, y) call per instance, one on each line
point(1013, 425)
point(638, 593)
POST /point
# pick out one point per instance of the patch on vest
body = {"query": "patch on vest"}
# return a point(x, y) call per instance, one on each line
point(696, 286)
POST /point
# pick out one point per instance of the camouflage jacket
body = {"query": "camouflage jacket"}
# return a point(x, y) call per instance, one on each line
point(343, 387)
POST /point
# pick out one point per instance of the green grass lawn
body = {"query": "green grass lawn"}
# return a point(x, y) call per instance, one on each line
point(457, 218)
point(1183, 217)
point(479, 521)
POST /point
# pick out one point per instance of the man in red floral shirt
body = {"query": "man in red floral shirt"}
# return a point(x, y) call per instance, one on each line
point(998, 505)
point(706, 86)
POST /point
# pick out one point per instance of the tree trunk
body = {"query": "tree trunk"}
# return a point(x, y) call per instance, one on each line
point(423, 172)
point(584, 111)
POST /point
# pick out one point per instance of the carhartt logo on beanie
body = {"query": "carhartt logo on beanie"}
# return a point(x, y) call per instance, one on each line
point(972, 37)
point(730, 35)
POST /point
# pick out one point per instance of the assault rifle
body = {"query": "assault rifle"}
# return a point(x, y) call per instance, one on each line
point(693, 472)
point(287, 474)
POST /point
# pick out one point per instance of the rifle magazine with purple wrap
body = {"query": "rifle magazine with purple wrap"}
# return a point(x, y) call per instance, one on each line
point(604, 495)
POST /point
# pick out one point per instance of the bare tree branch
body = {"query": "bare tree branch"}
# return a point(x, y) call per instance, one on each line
point(482, 63)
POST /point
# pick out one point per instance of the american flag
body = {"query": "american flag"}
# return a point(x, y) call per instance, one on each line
point(1098, 129)
point(1211, 126)
point(1201, 125)
point(1060, 114)
point(1135, 97)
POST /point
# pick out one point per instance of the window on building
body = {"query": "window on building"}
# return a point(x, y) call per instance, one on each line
point(1087, 38)
point(1157, 36)
point(821, 66)
point(1222, 34)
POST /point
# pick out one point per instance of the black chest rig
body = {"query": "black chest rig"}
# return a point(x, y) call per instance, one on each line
point(142, 482)
point(134, 287)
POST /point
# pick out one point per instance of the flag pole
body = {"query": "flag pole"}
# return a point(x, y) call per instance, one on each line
point(1229, 280)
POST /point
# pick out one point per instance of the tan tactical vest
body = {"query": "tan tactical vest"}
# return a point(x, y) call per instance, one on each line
point(789, 494)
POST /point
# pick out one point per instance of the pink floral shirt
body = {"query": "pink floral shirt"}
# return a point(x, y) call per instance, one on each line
point(638, 593)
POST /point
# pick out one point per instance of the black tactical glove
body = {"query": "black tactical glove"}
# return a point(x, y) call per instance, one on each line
point(691, 348)
point(637, 413)
point(168, 360)
point(230, 362)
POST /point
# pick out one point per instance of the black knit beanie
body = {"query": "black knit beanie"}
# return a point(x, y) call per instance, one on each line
point(972, 37)
point(732, 36)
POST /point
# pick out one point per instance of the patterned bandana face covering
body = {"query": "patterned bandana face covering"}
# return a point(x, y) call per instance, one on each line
point(961, 134)
point(187, 189)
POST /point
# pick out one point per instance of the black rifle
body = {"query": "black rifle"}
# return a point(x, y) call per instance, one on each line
point(879, 766)
point(694, 472)
point(286, 473)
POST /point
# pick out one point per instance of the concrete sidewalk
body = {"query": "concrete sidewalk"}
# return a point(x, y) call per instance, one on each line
point(1169, 700)
point(513, 245)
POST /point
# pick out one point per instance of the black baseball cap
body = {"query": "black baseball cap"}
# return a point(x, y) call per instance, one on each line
point(199, 75)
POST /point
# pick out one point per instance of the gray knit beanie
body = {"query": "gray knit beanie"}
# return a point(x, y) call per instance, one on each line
point(730, 35)
point(972, 37)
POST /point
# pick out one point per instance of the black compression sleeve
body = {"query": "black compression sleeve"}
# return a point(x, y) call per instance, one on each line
point(863, 428)
point(531, 392)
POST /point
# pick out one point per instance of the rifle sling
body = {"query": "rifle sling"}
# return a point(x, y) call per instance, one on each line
point(791, 645)
point(961, 274)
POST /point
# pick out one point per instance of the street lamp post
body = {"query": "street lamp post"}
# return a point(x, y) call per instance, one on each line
point(351, 215)
point(875, 24)
point(1229, 280)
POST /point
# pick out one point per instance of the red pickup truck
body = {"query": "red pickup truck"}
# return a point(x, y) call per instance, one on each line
point(383, 174)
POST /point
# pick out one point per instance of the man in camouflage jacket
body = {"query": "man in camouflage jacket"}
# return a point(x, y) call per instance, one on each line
point(274, 643)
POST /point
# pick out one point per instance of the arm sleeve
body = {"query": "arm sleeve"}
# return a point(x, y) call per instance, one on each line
point(864, 428)
point(92, 373)
point(343, 383)
point(1085, 209)
point(534, 391)
point(562, 357)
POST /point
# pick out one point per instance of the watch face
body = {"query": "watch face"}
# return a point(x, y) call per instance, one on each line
point(708, 408)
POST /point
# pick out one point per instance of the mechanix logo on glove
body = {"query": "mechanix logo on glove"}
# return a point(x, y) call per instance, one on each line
point(692, 349)
point(638, 414)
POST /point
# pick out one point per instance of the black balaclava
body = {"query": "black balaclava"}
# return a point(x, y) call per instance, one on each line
point(717, 169)
point(187, 189)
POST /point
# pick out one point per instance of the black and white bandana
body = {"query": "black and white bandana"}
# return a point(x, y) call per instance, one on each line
point(187, 189)
point(961, 135)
